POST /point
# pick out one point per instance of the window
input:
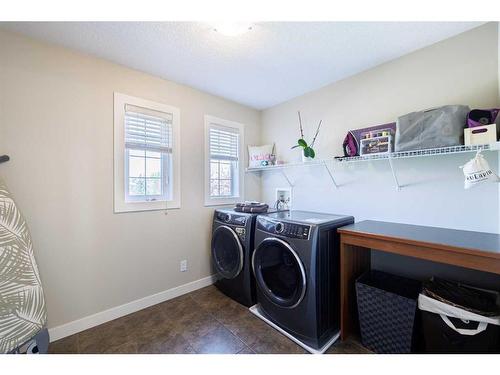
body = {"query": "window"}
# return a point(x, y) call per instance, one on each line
point(146, 155)
point(148, 150)
point(223, 166)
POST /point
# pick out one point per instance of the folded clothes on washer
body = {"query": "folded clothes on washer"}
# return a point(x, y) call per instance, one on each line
point(252, 207)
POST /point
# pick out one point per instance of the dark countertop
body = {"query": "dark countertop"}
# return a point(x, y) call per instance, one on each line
point(459, 239)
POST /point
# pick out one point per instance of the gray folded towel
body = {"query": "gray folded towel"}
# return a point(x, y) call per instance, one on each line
point(253, 207)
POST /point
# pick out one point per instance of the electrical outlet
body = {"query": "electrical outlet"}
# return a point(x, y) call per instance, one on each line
point(184, 265)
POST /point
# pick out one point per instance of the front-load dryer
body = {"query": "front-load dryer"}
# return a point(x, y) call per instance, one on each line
point(297, 274)
point(232, 247)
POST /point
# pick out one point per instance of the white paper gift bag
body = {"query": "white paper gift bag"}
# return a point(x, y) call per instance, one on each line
point(477, 171)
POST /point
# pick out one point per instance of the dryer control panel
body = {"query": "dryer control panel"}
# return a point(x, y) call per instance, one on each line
point(291, 230)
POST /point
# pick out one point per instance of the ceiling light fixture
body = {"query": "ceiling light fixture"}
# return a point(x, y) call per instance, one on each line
point(232, 28)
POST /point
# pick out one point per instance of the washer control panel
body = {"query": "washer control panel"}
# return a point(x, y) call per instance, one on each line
point(231, 218)
point(291, 230)
point(294, 230)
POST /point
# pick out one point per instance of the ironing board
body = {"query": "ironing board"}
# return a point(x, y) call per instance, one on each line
point(22, 304)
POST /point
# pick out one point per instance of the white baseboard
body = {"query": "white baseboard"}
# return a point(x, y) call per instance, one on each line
point(93, 320)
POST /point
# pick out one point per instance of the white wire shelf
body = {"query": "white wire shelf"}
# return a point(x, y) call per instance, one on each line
point(388, 156)
point(419, 153)
point(288, 165)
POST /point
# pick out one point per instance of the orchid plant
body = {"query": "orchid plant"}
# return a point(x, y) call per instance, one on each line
point(308, 150)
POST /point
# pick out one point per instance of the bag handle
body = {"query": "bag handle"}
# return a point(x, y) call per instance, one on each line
point(468, 332)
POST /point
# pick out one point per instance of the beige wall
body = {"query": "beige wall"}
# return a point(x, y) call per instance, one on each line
point(56, 123)
point(459, 70)
point(462, 69)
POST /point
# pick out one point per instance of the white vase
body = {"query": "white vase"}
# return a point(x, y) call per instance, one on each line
point(306, 159)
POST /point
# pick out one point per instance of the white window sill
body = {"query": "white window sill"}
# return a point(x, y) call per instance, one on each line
point(146, 206)
point(222, 201)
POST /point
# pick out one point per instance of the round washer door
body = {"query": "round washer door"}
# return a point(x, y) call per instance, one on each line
point(227, 252)
point(279, 272)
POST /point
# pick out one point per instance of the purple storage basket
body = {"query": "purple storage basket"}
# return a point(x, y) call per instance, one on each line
point(480, 117)
point(352, 141)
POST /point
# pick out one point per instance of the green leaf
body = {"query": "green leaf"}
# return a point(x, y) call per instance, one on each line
point(312, 154)
point(302, 143)
point(307, 152)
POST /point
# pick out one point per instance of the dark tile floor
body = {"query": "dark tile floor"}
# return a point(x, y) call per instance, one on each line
point(203, 321)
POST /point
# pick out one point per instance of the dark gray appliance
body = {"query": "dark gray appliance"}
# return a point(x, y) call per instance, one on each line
point(297, 273)
point(232, 246)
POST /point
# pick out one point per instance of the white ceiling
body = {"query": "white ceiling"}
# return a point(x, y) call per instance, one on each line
point(268, 65)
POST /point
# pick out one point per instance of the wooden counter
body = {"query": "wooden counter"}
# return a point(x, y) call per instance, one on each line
point(474, 250)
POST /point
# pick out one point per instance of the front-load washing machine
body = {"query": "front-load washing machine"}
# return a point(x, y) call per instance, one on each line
point(232, 247)
point(297, 274)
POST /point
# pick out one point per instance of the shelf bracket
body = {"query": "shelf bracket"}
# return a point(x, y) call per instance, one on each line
point(331, 175)
point(398, 186)
point(286, 178)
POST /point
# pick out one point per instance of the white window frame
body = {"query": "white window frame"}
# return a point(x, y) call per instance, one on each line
point(220, 201)
point(120, 162)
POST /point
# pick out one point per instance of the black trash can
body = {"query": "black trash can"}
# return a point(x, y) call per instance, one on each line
point(458, 318)
point(387, 306)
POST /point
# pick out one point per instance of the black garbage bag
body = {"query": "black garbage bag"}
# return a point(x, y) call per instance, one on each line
point(458, 318)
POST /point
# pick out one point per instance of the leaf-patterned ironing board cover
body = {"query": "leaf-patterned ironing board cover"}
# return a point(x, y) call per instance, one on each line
point(22, 305)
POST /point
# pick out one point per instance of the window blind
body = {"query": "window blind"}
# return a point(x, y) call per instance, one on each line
point(147, 129)
point(223, 143)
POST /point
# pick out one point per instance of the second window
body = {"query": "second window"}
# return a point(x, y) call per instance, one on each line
point(223, 161)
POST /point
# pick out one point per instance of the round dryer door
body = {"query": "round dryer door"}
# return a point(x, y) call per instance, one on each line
point(279, 272)
point(227, 252)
